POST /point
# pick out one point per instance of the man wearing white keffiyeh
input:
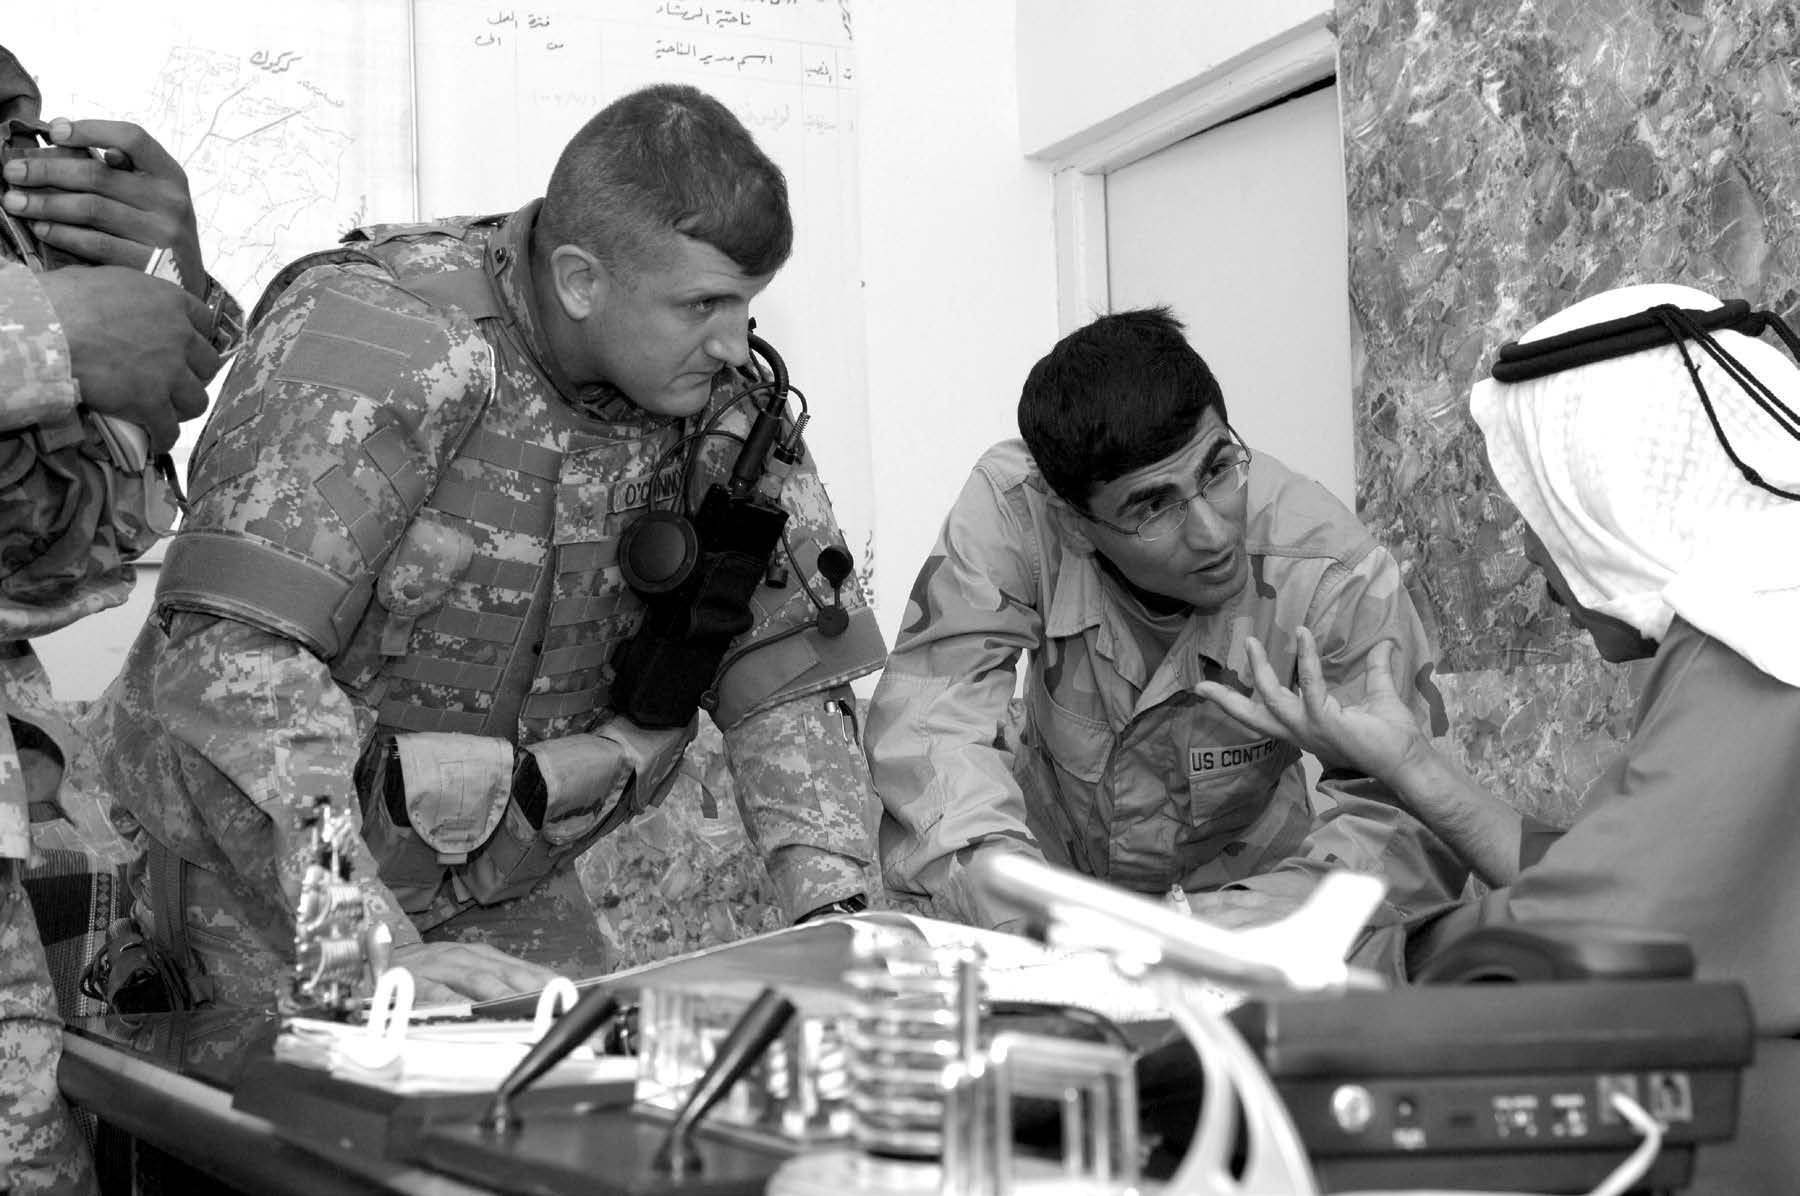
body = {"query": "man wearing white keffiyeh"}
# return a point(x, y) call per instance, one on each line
point(1616, 468)
point(1662, 501)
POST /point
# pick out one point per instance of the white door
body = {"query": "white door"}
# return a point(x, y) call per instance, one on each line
point(1240, 229)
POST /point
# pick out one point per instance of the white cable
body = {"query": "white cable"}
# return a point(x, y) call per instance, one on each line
point(1638, 1162)
point(1628, 1172)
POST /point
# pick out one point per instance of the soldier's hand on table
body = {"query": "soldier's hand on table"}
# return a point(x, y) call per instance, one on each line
point(1378, 736)
point(137, 346)
point(448, 972)
point(110, 215)
point(1239, 909)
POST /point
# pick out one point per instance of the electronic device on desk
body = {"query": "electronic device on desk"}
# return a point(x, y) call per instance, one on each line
point(1539, 1083)
point(735, 1034)
point(373, 1087)
point(576, 1151)
point(895, 1070)
point(1536, 1085)
point(1496, 1072)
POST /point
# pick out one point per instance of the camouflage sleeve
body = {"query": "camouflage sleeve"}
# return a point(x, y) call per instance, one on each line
point(41, 1148)
point(259, 729)
point(365, 388)
point(946, 785)
point(70, 525)
point(1360, 605)
point(1356, 607)
point(66, 525)
point(803, 791)
point(36, 383)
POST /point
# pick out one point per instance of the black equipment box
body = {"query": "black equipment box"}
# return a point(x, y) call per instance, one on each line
point(1508, 1086)
point(310, 1104)
point(606, 1154)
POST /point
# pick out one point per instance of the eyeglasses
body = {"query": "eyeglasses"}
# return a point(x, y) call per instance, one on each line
point(1225, 478)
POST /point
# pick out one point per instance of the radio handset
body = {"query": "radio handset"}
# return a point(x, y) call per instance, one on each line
point(697, 575)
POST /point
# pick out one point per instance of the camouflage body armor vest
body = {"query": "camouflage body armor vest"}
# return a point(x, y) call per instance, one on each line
point(485, 654)
point(494, 625)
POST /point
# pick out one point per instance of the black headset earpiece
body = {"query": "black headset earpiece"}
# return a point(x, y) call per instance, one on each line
point(657, 551)
point(697, 572)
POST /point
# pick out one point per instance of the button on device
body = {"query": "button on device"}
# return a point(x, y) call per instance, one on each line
point(1352, 1107)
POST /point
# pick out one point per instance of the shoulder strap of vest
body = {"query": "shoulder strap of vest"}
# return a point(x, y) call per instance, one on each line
point(285, 277)
point(467, 290)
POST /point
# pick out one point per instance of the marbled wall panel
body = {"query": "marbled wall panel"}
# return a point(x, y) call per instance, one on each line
point(1503, 161)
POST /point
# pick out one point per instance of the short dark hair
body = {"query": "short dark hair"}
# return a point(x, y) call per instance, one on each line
point(1114, 396)
point(668, 159)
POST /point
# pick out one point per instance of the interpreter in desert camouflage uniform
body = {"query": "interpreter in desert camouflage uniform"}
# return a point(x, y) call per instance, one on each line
point(399, 584)
point(77, 342)
point(1128, 573)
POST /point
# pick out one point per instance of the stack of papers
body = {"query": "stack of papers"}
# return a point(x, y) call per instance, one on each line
point(438, 1056)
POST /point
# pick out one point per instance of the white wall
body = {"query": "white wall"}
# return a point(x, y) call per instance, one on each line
point(1241, 231)
point(958, 261)
point(1088, 67)
point(965, 106)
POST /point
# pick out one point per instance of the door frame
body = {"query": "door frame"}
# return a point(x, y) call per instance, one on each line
point(1303, 55)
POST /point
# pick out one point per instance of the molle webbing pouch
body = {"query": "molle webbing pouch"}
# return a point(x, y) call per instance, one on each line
point(456, 788)
point(429, 802)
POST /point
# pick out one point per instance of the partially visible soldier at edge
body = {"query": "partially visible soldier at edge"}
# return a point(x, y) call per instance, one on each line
point(95, 337)
point(415, 606)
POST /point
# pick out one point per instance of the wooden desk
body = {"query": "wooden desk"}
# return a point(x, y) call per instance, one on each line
point(168, 1082)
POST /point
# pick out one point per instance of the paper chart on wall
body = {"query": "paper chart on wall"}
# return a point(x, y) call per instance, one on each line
point(293, 122)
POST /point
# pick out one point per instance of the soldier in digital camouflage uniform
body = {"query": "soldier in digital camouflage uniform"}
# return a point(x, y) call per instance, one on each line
point(1128, 573)
point(75, 343)
point(399, 585)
